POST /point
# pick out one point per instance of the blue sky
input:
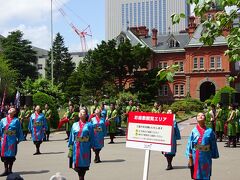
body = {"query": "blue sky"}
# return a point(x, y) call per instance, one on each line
point(32, 17)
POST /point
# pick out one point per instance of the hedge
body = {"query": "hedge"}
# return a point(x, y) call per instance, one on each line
point(41, 99)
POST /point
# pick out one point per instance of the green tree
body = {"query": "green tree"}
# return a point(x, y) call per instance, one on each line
point(20, 55)
point(62, 62)
point(30, 87)
point(106, 69)
point(8, 76)
point(116, 63)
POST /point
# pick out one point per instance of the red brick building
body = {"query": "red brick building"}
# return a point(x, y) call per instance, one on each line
point(203, 69)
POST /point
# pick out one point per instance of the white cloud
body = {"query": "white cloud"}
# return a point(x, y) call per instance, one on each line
point(38, 35)
point(27, 10)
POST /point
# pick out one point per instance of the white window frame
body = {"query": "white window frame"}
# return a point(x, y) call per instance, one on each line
point(181, 90)
point(212, 62)
point(219, 62)
point(176, 90)
point(195, 63)
point(201, 62)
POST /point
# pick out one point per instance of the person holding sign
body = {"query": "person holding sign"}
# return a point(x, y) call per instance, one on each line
point(176, 136)
point(201, 148)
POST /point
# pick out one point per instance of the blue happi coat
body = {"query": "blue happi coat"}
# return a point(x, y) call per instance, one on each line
point(10, 137)
point(100, 132)
point(176, 136)
point(37, 126)
point(104, 113)
point(202, 160)
point(81, 144)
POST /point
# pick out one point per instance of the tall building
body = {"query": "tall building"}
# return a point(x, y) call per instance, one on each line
point(121, 14)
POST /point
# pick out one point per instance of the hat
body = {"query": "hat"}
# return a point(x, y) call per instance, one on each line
point(14, 176)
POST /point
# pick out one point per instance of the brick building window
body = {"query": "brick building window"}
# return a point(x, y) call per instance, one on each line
point(195, 63)
point(212, 63)
point(219, 62)
point(216, 62)
point(162, 65)
point(179, 90)
point(201, 63)
point(163, 90)
point(181, 66)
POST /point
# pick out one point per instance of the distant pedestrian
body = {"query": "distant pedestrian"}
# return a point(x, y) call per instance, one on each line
point(219, 122)
point(100, 132)
point(201, 149)
point(231, 126)
point(37, 127)
point(48, 115)
point(10, 135)
point(111, 118)
point(175, 136)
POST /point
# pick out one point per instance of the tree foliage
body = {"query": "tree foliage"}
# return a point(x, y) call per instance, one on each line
point(7, 76)
point(62, 62)
point(222, 21)
point(41, 99)
point(106, 69)
point(44, 86)
point(20, 55)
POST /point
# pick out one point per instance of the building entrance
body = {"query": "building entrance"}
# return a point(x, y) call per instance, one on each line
point(207, 89)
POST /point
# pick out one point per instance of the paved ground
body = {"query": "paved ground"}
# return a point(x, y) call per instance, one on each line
point(119, 162)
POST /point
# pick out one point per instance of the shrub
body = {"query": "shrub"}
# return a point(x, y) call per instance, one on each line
point(41, 99)
point(226, 89)
point(187, 105)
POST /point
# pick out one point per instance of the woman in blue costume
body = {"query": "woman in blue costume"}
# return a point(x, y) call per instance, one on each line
point(201, 149)
point(99, 128)
point(81, 141)
point(176, 136)
point(37, 127)
point(10, 135)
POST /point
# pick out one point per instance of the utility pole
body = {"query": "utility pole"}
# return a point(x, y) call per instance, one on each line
point(51, 43)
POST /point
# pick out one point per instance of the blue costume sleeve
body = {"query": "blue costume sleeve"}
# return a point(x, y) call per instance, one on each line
point(91, 133)
point(30, 125)
point(45, 123)
point(71, 138)
point(177, 131)
point(1, 129)
point(214, 148)
point(189, 145)
point(19, 132)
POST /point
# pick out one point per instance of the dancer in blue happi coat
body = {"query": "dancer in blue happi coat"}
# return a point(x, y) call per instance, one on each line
point(81, 141)
point(201, 149)
point(10, 135)
point(100, 131)
point(37, 127)
point(175, 136)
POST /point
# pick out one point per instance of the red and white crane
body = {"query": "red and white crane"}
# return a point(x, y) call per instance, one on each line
point(83, 34)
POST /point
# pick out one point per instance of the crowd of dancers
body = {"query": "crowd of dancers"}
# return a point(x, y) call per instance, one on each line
point(86, 129)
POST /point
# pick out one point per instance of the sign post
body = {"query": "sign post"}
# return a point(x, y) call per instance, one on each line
point(149, 131)
point(146, 164)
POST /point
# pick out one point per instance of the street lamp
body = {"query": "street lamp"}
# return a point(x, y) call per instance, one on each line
point(51, 43)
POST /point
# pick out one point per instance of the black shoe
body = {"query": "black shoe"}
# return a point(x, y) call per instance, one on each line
point(66, 138)
point(111, 142)
point(169, 167)
point(37, 153)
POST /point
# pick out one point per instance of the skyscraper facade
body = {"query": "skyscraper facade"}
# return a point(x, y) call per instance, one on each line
point(121, 14)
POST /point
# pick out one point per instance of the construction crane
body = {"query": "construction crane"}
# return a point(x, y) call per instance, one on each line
point(82, 34)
